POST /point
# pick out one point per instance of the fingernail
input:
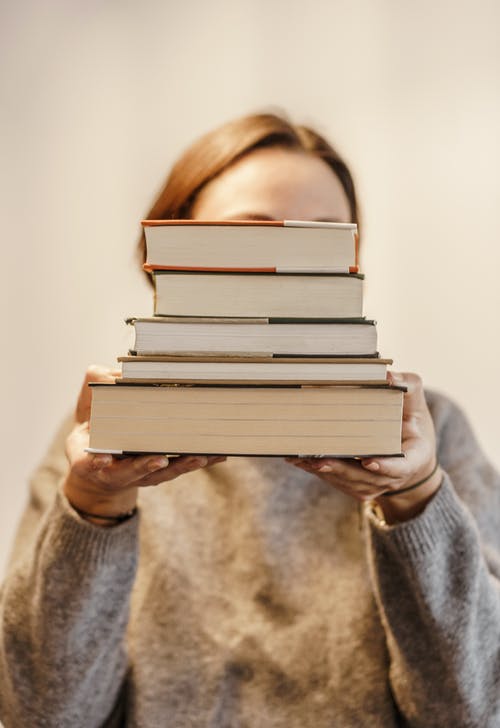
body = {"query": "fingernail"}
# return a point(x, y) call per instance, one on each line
point(101, 461)
point(372, 466)
point(319, 465)
point(197, 461)
point(157, 464)
point(325, 468)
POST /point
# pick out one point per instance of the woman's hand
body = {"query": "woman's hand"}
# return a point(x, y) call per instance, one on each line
point(369, 479)
point(103, 484)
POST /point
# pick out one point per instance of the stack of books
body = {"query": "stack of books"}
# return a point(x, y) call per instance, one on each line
point(257, 346)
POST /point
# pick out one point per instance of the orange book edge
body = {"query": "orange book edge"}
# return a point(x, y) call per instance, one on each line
point(149, 268)
point(272, 223)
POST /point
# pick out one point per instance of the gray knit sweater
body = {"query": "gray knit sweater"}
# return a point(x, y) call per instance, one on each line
point(253, 595)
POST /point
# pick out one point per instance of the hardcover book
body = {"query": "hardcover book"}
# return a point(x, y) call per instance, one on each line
point(242, 336)
point(339, 421)
point(266, 295)
point(253, 370)
point(267, 245)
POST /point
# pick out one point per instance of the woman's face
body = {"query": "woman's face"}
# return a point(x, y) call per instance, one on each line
point(274, 184)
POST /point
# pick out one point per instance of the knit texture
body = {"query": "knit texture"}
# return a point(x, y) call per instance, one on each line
point(253, 594)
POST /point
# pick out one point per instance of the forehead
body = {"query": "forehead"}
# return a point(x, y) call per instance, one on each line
point(278, 183)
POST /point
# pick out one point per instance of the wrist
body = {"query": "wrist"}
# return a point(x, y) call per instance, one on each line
point(407, 504)
point(87, 498)
point(106, 521)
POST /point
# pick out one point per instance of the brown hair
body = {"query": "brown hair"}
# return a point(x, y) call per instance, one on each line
point(216, 151)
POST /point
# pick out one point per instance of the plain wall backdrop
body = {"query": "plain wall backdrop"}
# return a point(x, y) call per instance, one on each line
point(98, 98)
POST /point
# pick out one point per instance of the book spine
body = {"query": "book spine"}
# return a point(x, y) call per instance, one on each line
point(157, 271)
point(334, 270)
point(214, 223)
point(150, 268)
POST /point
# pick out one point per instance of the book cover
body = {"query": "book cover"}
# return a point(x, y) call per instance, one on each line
point(267, 245)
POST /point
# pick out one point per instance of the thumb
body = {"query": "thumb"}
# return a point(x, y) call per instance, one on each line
point(414, 397)
point(94, 373)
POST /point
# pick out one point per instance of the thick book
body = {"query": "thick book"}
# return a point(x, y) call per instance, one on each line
point(266, 295)
point(177, 335)
point(286, 245)
point(339, 421)
point(253, 370)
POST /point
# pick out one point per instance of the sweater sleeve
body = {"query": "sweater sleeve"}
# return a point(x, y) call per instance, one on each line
point(437, 584)
point(64, 610)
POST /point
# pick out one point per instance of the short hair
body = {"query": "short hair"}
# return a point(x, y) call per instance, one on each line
point(214, 152)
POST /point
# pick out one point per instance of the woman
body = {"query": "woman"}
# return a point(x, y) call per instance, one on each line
point(248, 594)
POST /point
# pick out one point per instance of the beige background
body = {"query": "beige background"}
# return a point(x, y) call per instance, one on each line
point(99, 97)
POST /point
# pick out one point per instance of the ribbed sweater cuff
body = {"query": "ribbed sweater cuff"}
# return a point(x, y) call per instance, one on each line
point(416, 538)
point(80, 540)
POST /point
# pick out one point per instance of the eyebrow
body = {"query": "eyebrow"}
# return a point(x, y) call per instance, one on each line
point(250, 216)
point(264, 216)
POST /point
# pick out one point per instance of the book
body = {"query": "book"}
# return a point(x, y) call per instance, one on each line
point(178, 335)
point(338, 421)
point(267, 245)
point(253, 370)
point(267, 295)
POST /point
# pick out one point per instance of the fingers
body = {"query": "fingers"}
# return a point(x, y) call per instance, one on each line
point(111, 475)
point(179, 466)
point(139, 470)
point(349, 472)
point(396, 468)
point(366, 478)
point(345, 475)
